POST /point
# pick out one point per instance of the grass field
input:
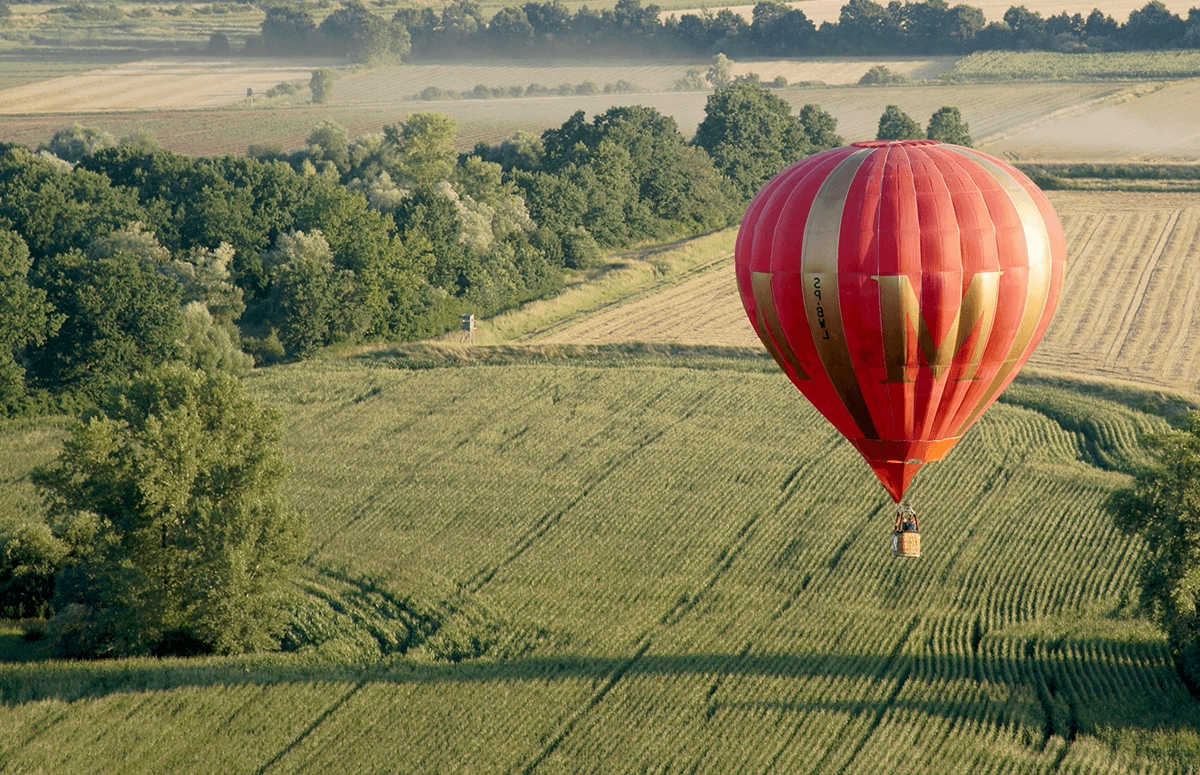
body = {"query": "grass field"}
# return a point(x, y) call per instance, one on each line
point(632, 566)
point(1034, 65)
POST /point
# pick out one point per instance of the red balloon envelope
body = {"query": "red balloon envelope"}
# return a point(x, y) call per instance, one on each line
point(900, 285)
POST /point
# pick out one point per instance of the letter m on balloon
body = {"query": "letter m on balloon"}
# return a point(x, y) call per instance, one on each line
point(900, 312)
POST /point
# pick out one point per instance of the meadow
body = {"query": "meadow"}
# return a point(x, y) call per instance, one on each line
point(632, 563)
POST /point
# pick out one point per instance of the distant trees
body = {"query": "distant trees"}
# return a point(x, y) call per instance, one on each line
point(864, 27)
point(119, 314)
point(350, 31)
point(26, 320)
point(321, 85)
point(751, 135)
point(135, 256)
point(1163, 507)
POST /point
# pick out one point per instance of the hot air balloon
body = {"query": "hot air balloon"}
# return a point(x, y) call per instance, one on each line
point(900, 285)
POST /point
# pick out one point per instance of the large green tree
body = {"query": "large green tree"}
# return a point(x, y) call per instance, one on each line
point(1163, 507)
point(168, 496)
point(121, 315)
point(26, 319)
point(751, 135)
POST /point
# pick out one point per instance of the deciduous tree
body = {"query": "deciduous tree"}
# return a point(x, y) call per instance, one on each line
point(895, 124)
point(169, 497)
point(1163, 507)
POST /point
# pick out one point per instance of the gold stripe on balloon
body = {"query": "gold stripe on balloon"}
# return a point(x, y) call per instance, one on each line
point(819, 270)
point(1037, 244)
point(978, 310)
point(900, 308)
point(768, 322)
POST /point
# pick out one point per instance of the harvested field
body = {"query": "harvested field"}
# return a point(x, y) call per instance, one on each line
point(1129, 310)
point(393, 84)
point(152, 84)
point(695, 312)
point(218, 132)
point(1149, 123)
point(1013, 119)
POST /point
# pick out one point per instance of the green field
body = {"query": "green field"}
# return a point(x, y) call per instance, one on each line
point(623, 562)
point(1048, 65)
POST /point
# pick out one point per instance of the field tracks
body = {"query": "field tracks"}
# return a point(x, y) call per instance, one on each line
point(677, 611)
point(1183, 332)
point(900, 680)
point(1139, 294)
point(337, 704)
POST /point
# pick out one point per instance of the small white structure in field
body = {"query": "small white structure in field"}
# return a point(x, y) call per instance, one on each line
point(468, 329)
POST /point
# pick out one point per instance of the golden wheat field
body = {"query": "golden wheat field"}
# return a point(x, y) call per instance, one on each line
point(1128, 309)
point(152, 84)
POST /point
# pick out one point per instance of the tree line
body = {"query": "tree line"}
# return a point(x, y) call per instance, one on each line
point(116, 256)
point(864, 27)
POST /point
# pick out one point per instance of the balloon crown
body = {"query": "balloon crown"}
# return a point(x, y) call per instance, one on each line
point(885, 143)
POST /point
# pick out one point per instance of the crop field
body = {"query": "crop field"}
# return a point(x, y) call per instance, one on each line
point(1128, 307)
point(1032, 65)
point(695, 312)
point(151, 84)
point(217, 132)
point(393, 84)
point(1001, 116)
point(634, 567)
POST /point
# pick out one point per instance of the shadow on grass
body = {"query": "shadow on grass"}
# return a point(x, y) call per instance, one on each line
point(1122, 684)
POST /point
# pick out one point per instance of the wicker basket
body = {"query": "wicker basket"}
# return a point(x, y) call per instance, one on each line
point(906, 544)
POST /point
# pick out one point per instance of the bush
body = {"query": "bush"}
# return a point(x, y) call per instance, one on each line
point(30, 557)
point(580, 250)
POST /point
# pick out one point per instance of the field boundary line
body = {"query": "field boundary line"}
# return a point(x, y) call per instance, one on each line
point(311, 727)
point(1069, 277)
point(1139, 293)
